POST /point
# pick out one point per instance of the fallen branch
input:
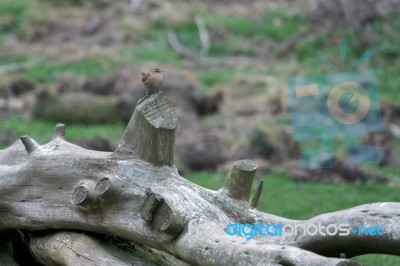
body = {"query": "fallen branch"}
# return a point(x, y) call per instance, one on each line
point(136, 193)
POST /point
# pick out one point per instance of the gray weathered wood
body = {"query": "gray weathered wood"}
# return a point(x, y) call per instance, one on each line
point(256, 198)
point(70, 248)
point(240, 179)
point(104, 190)
point(60, 185)
point(150, 133)
point(30, 144)
point(59, 131)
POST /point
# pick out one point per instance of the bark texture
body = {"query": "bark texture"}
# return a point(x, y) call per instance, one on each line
point(68, 248)
point(71, 248)
point(136, 193)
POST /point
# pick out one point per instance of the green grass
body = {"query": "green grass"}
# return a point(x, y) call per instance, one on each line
point(230, 34)
point(156, 51)
point(388, 82)
point(213, 76)
point(42, 131)
point(280, 194)
point(275, 24)
point(12, 59)
point(22, 18)
point(378, 259)
point(12, 15)
point(155, 45)
point(48, 70)
point(285, 198)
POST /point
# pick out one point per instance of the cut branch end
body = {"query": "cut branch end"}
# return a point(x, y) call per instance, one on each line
point(161, 214)
point(81, 196)
point(104, 189)
point(240, 179)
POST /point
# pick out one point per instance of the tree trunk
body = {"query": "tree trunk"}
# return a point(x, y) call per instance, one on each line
point(136, 193)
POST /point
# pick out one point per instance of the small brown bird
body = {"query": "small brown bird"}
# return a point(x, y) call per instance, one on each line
point(152, 80)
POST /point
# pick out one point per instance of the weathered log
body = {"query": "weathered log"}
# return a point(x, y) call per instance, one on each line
point(207, 246)
point(70, 248)
point(385, 215)
point(128, 193)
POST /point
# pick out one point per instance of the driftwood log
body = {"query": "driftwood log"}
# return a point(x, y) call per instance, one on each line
point(136, 193)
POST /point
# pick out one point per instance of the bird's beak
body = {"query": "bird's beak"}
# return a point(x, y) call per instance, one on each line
point(162, 70)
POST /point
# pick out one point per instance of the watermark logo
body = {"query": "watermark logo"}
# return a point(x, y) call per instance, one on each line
point(289, 230)
point(325, 107)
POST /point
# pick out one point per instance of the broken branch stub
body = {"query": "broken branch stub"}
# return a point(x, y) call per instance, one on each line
point(29, 143)
point(150, 134)
point(82, 196)
point(256, 198)
point(161, 214)
point(166, 219)
point(104, 189)
point(151, 203)
point(59, 131)
point(240, 179)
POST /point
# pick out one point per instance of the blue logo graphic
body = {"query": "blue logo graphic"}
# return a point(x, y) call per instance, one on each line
point(368, 231)
point(249, 231)
point(325, 107)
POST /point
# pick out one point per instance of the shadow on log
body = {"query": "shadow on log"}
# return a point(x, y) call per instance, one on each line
point(6, 257)
point(71, 248)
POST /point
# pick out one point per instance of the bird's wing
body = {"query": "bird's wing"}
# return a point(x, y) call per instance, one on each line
point(145, 76)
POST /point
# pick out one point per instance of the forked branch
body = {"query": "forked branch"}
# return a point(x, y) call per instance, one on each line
point(136, 193)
